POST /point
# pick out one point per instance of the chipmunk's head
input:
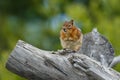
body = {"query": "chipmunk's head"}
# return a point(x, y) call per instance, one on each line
point(68, 26)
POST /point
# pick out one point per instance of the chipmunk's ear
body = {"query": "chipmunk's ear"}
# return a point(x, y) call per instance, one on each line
point(72, 21)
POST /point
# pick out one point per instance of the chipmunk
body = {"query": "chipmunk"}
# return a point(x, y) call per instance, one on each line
point(70, 36)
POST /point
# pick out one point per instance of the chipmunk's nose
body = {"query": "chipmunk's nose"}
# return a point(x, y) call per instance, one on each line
point(64, 30)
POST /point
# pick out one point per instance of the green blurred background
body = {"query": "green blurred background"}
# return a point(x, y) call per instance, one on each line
point(38, 22)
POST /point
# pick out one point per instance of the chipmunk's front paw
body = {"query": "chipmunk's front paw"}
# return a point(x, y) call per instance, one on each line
point(69, 50)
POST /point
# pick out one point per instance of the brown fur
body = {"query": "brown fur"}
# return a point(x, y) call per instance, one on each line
point(70, 36)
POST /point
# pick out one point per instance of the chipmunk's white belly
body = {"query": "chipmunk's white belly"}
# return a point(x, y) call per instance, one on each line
point(73, 45)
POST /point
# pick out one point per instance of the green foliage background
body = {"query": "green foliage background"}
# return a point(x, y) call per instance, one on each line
point(38, 22)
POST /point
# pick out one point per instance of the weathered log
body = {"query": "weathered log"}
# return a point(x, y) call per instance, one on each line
point(35, 64)
point(92, 62)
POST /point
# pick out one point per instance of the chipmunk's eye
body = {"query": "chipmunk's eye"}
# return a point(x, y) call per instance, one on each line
point(69, 26)
point(64, 30)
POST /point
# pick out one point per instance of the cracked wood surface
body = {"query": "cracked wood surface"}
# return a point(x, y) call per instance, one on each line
point(35, 64)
